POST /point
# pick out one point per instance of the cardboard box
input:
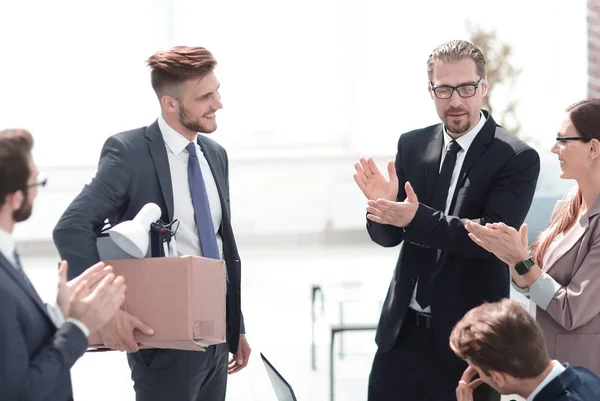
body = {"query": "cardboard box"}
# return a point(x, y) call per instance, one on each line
point(183, 299)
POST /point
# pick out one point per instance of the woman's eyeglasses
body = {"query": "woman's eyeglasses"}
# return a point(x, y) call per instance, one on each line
point(564, 139)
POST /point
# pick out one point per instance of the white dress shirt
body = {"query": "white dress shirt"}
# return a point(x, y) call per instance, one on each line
point(557, 369)
point(7, 247)
point(465, 142)
point(188, 241)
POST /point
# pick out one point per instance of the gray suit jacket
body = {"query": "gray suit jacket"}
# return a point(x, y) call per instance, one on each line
point(570, 318)
point(134, 170)
point(35, 357)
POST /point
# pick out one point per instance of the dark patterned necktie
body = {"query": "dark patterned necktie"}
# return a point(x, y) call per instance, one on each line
point(443, 182)
point(439, 203)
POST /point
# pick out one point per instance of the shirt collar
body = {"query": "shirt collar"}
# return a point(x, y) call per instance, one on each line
point(7, 246)
point(467, 139)
point(557, 369)
point(175, 141)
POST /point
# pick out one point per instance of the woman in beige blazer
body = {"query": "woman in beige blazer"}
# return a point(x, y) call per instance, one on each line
point(563, 276)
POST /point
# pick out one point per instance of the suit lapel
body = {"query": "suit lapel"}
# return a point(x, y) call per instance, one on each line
point(566, 243)
point(219, 176)
point(571, 237)
point(433, 155)
point(158, 151)
point(478, 146)
point(10, 270)
point(225, 229)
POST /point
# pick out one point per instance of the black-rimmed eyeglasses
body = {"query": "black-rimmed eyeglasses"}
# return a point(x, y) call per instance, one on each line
point(41, 181)
point(564, 139)
point(446, 91)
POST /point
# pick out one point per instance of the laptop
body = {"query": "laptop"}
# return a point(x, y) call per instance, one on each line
point(282, 388)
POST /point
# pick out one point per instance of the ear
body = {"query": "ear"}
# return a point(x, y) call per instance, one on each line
point(594, 149)
point(485, 86)
point(15, 200)
point(429, 89)
point(169, 103)
point(499, 378)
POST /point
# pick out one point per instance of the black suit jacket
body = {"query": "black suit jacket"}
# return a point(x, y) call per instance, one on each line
point(574, 384)
point(35, 357)
point(134, 170)
point(496, 184)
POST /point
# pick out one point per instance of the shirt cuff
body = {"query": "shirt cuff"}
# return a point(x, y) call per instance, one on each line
point(82, 327)
point(543, 290)
point(55, 314)
point(522, 290)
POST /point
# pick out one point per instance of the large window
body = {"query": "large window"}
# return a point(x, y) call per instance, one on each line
point(303, 75)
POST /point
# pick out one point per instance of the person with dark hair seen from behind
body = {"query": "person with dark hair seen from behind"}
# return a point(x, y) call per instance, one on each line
point(172, 164)
point(504, 345)
point(467, 167)
point(561, 276)
point(40, 343)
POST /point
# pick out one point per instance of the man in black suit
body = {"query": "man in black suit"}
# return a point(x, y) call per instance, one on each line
point(468, 167)
point(505, 346)
point(186, 174)
point(39, 343)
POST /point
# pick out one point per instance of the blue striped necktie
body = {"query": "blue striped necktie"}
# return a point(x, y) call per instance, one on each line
point(202, 215)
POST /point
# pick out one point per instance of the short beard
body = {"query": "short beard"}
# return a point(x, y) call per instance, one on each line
point(194, 126)
point(24, 212)
point(459, 129)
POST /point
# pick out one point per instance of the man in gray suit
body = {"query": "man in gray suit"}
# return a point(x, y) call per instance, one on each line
point(39, 343)
point(186, 174)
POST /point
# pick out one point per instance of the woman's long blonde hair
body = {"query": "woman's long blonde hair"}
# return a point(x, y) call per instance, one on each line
point(562, 220)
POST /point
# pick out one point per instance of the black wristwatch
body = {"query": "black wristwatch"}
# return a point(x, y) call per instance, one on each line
point(524, 266)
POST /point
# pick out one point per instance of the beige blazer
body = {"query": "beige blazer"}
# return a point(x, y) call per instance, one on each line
point(571, 322)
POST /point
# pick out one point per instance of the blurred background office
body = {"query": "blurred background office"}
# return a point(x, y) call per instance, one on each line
point(308, 87)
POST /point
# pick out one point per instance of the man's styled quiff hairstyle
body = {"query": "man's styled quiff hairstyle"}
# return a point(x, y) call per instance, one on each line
point(171, 68)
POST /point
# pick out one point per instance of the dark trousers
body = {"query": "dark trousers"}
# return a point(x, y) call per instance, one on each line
point(174, 375)
point(411, 370)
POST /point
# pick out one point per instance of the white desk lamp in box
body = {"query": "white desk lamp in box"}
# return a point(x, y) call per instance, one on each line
point(133, 236)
